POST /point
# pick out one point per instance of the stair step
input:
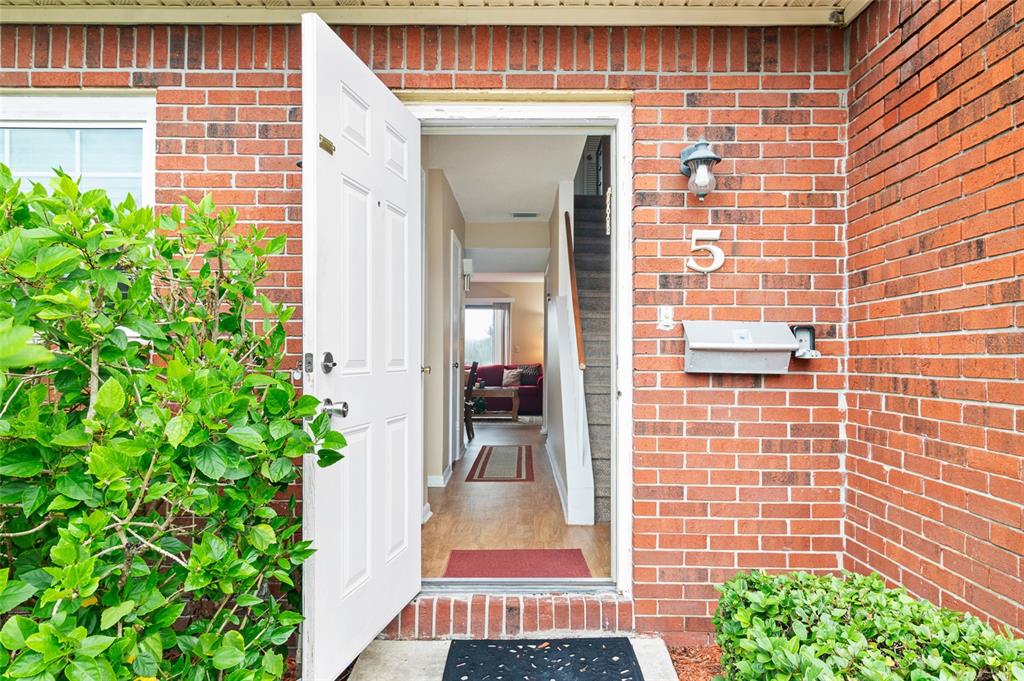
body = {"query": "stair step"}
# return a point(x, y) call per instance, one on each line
point(599, 410)
point(596, 262)
point(597, 379)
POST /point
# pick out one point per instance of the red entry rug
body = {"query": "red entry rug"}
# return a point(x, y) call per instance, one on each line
point(502, 463)
point(517, 563)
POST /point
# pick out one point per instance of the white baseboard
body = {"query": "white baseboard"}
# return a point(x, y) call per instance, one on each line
point(426, 513)
point(556, 473)
point(439, 480)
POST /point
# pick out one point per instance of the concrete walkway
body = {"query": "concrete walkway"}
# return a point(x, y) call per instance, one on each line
point(424, 660)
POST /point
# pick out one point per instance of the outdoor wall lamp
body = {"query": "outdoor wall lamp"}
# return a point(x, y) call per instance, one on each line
point(695, 162)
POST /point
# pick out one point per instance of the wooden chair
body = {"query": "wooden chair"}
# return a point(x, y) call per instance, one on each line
point(467, 401)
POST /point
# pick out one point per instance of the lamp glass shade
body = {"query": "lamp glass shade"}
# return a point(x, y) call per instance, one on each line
point(702, 180)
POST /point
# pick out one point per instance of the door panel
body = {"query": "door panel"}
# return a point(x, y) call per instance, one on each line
point(362, 261)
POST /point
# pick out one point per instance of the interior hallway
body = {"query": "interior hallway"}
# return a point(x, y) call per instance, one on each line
point(506, 515)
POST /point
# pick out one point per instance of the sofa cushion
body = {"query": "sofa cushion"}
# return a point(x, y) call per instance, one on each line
point(530, 374)
point(510, 378)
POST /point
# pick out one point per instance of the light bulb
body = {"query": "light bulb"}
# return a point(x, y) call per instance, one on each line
point(702, 181)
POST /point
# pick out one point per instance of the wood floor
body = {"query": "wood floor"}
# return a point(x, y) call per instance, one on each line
point(506, 515)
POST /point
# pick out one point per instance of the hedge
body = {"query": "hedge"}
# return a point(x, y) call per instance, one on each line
point(822, 627)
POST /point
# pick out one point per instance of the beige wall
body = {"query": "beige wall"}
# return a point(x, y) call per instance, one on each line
point(518, 234)
point(527, 316)
point(442, 218)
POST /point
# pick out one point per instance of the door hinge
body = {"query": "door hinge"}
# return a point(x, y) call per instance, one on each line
point(327, 145)
point(307, 362)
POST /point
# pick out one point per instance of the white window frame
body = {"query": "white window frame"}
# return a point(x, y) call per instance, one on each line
point(90, 110)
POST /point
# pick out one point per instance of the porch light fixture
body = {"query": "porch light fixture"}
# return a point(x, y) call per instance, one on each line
point(695, 162)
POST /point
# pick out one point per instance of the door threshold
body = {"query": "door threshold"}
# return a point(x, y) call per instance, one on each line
point(530, 585)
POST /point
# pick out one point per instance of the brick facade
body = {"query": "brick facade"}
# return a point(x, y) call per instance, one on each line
point(936, 279)
point(730, 472)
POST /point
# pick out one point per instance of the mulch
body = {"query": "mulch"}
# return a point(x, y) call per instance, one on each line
point(696, 664)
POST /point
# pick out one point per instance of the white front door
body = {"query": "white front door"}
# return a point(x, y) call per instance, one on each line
point(455, 381)
point(362, 258)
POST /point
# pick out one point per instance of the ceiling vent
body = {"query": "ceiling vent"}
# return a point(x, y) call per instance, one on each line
point(524, 215)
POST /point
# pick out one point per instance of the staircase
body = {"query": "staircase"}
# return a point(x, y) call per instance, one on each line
point(592, 250)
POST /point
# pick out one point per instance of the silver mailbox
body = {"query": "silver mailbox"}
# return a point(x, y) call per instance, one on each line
point(738, 347)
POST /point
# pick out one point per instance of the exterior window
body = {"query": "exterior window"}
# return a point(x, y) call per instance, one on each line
point(487, 334)
point(107, 141)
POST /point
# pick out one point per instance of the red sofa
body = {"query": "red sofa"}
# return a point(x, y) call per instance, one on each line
point(531, 397)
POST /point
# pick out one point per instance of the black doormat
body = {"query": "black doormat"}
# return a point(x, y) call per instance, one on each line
point(563, 659)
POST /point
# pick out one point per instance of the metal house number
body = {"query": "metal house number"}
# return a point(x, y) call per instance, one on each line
point(717, 254)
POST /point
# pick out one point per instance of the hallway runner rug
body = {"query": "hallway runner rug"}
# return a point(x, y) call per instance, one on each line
point(569, 659)
point(517, 563)
point(502, 463)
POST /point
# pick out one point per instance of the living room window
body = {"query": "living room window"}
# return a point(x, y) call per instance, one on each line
point(106, 140)
point(487, 333)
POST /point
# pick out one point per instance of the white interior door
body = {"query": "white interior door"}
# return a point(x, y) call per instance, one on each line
point(456, 301)
point(362, 246)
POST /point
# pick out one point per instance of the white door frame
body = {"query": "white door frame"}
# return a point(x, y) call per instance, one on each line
point(456, 353)
point(445, 116)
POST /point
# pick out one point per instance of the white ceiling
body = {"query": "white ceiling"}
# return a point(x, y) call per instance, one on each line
point(493, 176)
point(507, 260)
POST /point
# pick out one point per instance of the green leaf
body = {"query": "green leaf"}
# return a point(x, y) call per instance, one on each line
point(105, 464)
point(73, 437)
point(110, 398)
point(76, 485)
point(211, 462)
point(91, 646)
point(90, 669)
point(178, 428)
point(327, 457)
point(17, 349)
point(28, 665)
point(20, 463)
point(262, 536)
point(15, 631)
point(113, 614)
point(14, 593)
point(226, 658)
point(245, 436)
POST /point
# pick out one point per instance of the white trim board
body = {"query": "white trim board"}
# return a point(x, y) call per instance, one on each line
point(559, 482)
point(440, 480)
point(538, 15)
point(481, 116)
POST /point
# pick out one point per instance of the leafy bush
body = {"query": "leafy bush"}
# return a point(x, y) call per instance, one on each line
point(147, 437)
point(801, 626)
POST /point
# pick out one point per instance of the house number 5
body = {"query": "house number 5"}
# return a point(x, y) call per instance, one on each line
point(717, 255)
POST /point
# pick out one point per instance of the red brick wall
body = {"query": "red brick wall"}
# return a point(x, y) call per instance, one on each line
point(936, 264)
point(731, 473)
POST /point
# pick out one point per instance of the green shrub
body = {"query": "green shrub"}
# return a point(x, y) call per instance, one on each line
point(801, 626)
point(147, 439)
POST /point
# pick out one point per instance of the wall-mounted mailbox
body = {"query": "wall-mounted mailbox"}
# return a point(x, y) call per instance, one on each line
point(738, 347)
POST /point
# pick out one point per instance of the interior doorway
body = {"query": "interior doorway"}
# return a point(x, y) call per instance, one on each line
point(504, 512)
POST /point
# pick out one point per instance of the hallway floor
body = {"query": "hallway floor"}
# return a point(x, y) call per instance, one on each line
point(506, 515)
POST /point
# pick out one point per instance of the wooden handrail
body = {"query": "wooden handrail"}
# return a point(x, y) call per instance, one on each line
point(575, 294)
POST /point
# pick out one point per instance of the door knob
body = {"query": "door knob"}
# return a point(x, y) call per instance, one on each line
point(335, 409)
point(455, 365)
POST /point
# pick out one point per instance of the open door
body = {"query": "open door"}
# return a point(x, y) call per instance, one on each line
point(456, 382)
point(362, 331)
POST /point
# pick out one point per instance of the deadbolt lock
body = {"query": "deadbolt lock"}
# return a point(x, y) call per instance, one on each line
point(328, 363)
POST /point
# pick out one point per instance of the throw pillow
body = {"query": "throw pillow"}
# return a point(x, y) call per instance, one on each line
point(531, 372)
point(510, 378)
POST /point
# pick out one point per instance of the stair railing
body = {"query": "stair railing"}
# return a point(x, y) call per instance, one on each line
point(580, 351)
